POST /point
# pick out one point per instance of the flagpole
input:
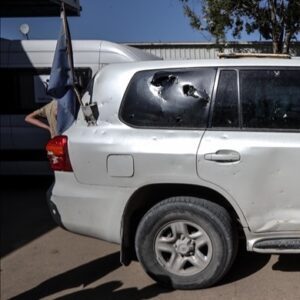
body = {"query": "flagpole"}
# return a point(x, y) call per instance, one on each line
point(69, 51)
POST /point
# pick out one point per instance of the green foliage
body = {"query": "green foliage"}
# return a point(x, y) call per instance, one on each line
point(276, 20)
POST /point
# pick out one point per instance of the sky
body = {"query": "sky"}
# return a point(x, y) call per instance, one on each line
point(116, 20)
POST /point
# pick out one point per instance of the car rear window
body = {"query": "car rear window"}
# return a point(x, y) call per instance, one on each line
point(177, 98)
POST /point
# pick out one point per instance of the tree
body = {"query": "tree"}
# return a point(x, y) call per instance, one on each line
point(276, 20)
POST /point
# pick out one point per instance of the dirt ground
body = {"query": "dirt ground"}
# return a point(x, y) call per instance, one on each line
point(41, 261)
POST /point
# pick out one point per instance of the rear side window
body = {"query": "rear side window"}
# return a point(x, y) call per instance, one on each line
point(225, 113)
point(169, 98)
point(270, 98)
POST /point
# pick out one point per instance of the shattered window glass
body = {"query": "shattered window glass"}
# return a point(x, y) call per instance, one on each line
point(169, 98)
point(225, 113)
point(270, 98)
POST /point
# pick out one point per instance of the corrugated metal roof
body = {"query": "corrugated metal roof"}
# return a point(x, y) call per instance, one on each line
point(200, 50)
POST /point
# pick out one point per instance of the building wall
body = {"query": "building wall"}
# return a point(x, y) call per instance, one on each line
point(207, 50)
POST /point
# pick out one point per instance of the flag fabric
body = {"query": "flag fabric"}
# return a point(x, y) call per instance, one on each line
point(66, 110)
point(61, 82)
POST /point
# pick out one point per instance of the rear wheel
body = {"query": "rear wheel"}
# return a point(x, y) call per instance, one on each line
point(186, 242)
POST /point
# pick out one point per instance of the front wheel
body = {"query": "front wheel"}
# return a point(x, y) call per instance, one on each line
point(186, 242)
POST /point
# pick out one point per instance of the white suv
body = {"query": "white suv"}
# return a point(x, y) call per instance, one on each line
point(186, 158)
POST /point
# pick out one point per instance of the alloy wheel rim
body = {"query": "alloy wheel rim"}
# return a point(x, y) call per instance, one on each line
point(183, 248)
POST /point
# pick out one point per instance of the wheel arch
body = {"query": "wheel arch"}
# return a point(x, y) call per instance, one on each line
point(147, 196)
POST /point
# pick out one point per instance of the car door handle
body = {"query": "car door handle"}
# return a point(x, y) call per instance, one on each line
point(223, 156)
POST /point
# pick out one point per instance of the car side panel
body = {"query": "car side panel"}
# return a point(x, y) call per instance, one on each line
point(264, 182)
point(163, 156)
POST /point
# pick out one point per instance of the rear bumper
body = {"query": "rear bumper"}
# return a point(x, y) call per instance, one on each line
point(90, 210)
point(53, 209)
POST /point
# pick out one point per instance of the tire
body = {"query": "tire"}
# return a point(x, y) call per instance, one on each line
point(186, 242)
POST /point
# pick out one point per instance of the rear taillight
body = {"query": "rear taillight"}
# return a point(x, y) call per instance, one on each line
point(58, 155)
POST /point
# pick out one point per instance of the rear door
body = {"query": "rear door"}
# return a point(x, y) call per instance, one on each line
point(252, 149)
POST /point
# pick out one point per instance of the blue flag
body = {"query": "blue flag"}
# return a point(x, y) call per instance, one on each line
point(66, 111)
point(61, 82)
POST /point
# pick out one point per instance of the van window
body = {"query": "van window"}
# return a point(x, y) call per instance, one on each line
point(169, 98)
point(24, 90)
point(270, 98)
point(225, 113)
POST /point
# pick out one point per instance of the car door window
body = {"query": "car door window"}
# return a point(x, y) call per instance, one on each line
point(270, 98)
point(225, 111)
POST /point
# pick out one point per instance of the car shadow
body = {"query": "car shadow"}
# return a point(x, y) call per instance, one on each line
point(245, 264)
point(82, 275)
point(287, 263)
point(24, 213)
point(110, 290)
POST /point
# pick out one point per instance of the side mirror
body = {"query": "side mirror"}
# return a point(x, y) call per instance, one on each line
point(190, 90)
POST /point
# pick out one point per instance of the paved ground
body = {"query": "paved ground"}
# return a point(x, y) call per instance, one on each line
point(42, 261)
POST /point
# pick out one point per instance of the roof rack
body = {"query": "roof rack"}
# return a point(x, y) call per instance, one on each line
point(253, 55)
